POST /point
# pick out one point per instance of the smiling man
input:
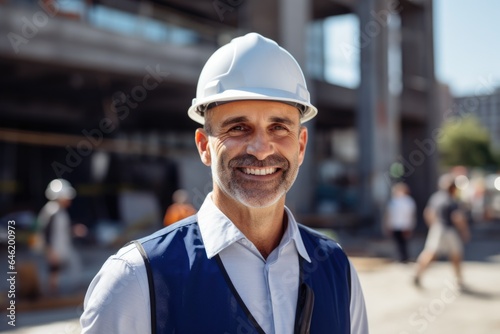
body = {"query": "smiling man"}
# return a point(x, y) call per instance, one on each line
point(242, 264)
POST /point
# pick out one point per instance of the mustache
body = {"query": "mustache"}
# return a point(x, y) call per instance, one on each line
point(248, 160)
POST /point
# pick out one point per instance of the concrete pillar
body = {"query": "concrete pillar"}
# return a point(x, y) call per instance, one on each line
point(294, 17)
point(431, 104)
point(286, 22)
point(377, 120)
point(261, 17)
point(418, 74)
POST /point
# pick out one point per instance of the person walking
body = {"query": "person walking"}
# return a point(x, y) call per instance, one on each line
point(242, 264)
point(448, 229)
point(400, 218)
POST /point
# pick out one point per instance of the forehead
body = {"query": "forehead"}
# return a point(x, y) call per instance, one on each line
point(255, 109)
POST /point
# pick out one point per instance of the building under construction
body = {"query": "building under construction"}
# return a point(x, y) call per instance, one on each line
point(97, 92)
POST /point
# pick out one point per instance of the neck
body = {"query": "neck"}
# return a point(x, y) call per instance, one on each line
point(264, 227)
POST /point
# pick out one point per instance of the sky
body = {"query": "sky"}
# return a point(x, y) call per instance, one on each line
point(467, 45)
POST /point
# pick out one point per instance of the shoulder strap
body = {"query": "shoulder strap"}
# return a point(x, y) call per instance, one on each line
point(349, 280)
point(152, 300)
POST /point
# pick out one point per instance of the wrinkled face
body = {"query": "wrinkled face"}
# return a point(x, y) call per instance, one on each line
point(254, 148)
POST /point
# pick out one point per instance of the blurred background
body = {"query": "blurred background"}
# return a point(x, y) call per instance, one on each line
point(96, 92)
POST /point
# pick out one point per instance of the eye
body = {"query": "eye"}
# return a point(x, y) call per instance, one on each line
point(279, 129)
point(237, 129)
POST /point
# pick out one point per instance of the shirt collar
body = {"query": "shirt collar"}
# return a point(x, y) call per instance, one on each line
point(218, 232)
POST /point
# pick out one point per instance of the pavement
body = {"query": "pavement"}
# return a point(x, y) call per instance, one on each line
point(394, 304)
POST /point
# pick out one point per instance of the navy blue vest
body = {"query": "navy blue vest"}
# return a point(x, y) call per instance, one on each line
point(192, 294)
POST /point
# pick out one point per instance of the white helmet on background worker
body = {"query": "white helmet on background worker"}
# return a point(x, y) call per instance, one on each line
point(59, 189)
point(251, 67)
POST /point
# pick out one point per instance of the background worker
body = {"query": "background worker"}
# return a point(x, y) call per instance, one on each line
point(400, 218)
point(179, 209)
point(56, 228)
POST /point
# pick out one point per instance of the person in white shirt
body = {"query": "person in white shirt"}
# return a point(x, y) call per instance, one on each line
point(242, 264)
point(400, 218)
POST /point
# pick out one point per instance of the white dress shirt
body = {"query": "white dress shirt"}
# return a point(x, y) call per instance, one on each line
point(117, 300)
point(401, 213)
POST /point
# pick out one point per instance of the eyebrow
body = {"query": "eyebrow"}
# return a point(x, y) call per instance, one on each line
point(241, 119)
point(284, 120)
point(234, 120)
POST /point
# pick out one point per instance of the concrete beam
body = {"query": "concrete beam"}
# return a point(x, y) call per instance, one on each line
point(35, 36)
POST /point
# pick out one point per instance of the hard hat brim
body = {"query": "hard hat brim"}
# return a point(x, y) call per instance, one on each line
point(240, 95)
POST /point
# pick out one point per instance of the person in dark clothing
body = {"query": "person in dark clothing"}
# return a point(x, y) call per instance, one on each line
point(448, 229)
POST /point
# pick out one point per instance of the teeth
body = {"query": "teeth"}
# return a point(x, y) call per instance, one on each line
point(259, 171)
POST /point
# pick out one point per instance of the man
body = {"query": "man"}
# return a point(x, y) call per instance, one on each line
point(242, 264)
point(448, 229)
point(400, 218)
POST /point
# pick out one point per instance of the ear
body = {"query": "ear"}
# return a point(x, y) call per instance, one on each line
point(302, 143)
point(201, 140)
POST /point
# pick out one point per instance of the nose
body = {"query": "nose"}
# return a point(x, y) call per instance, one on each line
point(260, 145)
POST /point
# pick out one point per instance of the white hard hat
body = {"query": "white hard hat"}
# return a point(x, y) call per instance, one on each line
point(251, 67)
point(58, 189)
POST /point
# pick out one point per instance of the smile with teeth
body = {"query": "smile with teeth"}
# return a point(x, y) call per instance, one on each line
point(259, 171)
